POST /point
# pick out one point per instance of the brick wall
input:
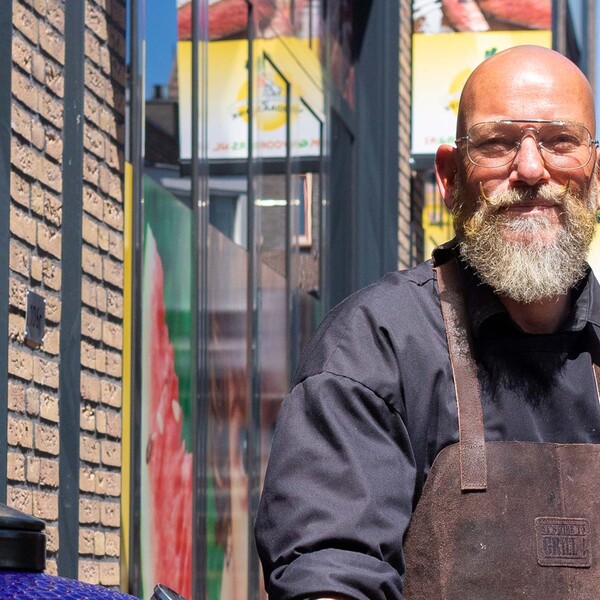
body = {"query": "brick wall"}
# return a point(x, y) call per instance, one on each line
point(406, 256)
point(35, 264)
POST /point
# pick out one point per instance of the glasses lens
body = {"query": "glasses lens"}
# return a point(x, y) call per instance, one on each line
point(493, 144)
point(565, 145)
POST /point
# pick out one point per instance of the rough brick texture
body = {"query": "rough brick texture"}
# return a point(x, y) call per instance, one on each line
point(37, 149)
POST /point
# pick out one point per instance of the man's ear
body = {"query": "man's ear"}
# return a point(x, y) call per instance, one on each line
point(446, 166)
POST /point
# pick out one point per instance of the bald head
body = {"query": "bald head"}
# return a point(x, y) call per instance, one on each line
point(526, 82)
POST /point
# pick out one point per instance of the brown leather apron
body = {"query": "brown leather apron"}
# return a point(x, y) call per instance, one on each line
point(501, 520)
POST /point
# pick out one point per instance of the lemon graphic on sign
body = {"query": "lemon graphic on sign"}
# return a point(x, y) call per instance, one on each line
point(456, 88)
point(270, 101)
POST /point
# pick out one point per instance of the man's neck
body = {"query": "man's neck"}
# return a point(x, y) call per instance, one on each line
point(545, 316)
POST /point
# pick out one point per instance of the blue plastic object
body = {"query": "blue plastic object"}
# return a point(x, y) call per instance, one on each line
point(16, 585)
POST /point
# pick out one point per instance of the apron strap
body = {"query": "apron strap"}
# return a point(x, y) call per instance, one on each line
point(473, 462)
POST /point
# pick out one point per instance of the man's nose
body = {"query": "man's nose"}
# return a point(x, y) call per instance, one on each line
point(529, 165)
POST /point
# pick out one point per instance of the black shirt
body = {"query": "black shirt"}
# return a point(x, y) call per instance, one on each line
point(372, 405)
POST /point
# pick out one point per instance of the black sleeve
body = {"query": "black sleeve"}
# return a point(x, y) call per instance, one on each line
point(338, 494)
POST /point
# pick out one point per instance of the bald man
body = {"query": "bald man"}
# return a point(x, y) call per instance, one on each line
point(442, 436)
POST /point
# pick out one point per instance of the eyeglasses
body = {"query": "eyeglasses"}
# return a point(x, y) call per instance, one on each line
point(563, 145)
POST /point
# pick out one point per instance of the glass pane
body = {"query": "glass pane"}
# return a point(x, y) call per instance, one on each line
point(167, 296)
point(227, 480)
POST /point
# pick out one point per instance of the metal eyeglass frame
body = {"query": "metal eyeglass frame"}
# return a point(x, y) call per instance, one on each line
point(465, 138)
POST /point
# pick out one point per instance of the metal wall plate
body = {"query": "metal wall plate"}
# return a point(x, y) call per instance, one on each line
point(35, 320)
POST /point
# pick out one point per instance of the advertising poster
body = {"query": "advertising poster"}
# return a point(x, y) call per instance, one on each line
point(450, 38)
point(166, 449)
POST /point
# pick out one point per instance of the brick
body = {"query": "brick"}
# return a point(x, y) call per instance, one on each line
point(89, 511)
point(87, 418)
point(112, 544)
point(89, 449)
point(51, 175)
point(38, 67)
point(20, 364)
point(89, 231)
point(53, 144)
point(110, 514)
point(16, 327)
point(88, 355)
point(88, 293)
point(51, 274)
point(49, 474)
point(92, 47)
point(86, 541)
point(53, 309)
point(100, 364)
point(114, 304)
point(95, 81)
point(52, 208)
point(33, 469)
point(24, 90)
point(20, 432)
point(114, 426)
point(87, 479)
point(21, 499)
point(95, 20)
point(91, 262)
point(89, 572)
point(19, 259)
point(16, 396)
point(22, 53)
point(51, 109)
point(90, 387)
point(111, 393)
point(17, 294)
point(45, 372)
point(110, 453)
point(101, 298)
point(32, 401)
point(51, 567)
point(20, 121)
point(116, 41)
point(54, 79)
point(107, 121)
point(91, 325)
point(52, 43)
point(25, 22)
point(49, 408)
point(113, 272)
point(20, 190)
point(114, 364)
point(112, 334)
point(103, 238)
point(45, 505)
point(99, 545)
point(49, 240)
point(47, 439)
point(116, 245)
point(37, 198)
point(25, 159)
point(90, 169)
point(51, 343)
point(101, 421)
point(52, 538)
point(108, 483)
point(15, 467)
point(36, 269)
point(22, 226)
point(93, 140)
point(92, 110)
point(110, 573)
point(93, 203)
point(55, 15)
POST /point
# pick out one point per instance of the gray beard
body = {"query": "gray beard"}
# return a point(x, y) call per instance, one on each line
point(536, 268)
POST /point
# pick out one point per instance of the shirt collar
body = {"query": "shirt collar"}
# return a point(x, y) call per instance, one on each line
point(483, 304)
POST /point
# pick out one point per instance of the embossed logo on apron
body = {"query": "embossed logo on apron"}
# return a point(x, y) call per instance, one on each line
point(563, 542)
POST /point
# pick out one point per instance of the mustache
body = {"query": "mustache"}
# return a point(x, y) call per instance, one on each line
point(549, 191)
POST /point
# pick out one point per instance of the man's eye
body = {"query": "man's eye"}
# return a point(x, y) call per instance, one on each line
point(494, 144)
point(561, 143)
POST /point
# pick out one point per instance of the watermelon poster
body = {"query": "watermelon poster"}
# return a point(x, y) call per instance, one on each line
point(166, 469)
